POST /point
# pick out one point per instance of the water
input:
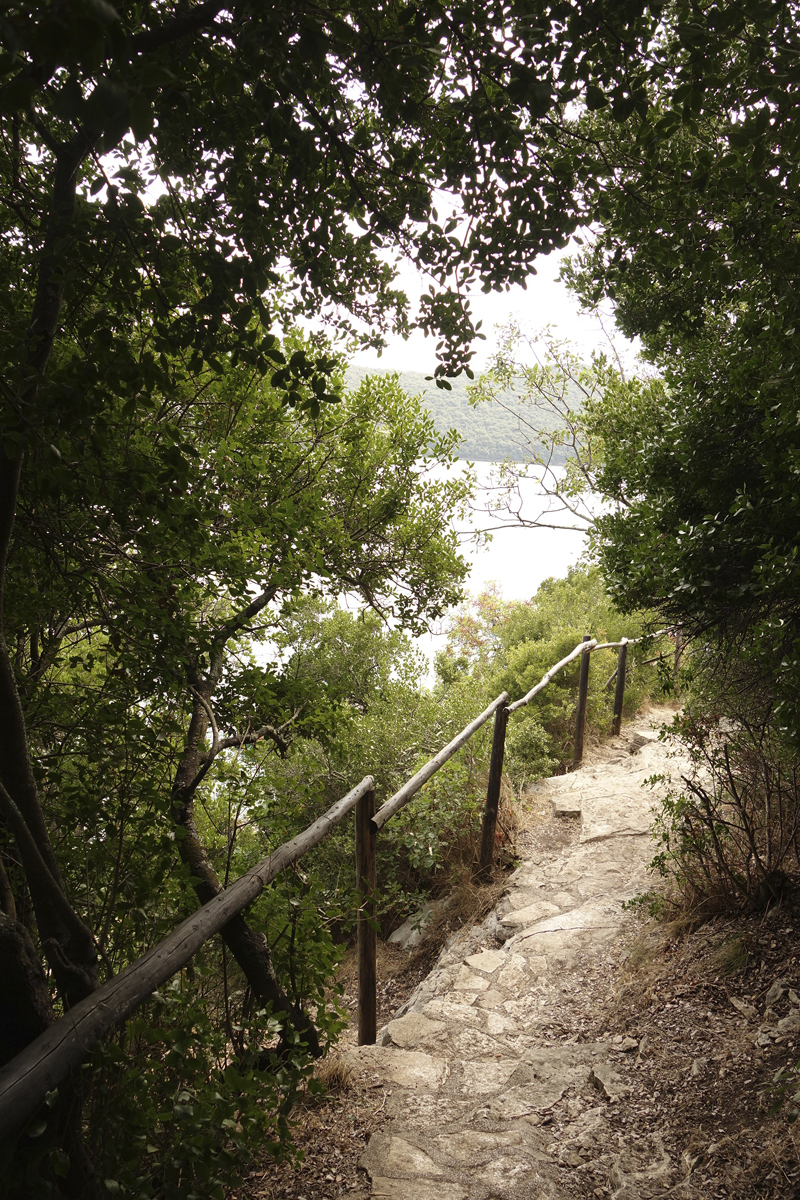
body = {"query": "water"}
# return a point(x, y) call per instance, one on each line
point(518, 560)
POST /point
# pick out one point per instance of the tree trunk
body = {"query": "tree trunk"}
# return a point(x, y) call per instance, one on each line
point(25, 1012)
point(66, 941)
point(249, 948)
point(25, 1008)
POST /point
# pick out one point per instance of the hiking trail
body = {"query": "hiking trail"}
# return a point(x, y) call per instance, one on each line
point(490, 1088)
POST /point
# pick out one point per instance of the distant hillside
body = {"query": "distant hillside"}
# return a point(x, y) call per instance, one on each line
point(490, 433)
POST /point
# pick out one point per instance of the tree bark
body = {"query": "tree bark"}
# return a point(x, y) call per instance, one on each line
point(26, 1012)
point(249, 948)
point(66, 940)
point(25, 1008)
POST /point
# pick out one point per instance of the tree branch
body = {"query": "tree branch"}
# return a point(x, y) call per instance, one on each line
point(238, 621)
point(180, 27)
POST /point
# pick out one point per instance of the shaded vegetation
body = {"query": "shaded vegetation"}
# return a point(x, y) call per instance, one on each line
point(488, 432)
point(508, 646)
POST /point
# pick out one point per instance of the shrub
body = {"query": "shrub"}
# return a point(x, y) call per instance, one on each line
point(509, 647)
point(729, 832)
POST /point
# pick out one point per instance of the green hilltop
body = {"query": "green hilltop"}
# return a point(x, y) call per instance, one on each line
point(490, 432)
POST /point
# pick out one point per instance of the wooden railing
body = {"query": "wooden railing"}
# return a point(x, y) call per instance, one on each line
point(583, 650)
point(48, 1060)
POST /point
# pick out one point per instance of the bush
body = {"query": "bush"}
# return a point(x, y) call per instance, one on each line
point(729, 833)
point(510, 646)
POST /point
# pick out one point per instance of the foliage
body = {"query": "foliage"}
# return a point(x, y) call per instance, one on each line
point(300, 147)
point(160, 639)
point(729, 829)
point(488, 432)
point(510, 646)
point(171, 1115)
point(388, 726)
point(696, 247)
point(179, 185)
point(577, 425)
point(554, 446)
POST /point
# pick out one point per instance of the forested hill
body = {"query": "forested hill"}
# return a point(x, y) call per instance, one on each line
point(490, 432)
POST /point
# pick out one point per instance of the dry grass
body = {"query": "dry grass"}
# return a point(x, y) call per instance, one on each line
point(731, 956)
point(334, 1074)
point(467, 904)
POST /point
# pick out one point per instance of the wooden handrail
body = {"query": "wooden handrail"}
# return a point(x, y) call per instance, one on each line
point(619, 692)
point(543, 682)
point(493, 792)
point(410, 789)
point(583, 696)
point(42, 1065)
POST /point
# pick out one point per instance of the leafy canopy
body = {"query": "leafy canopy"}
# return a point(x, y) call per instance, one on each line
point(697, 249)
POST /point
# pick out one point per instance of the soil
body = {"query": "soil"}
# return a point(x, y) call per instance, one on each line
point(703, 1082)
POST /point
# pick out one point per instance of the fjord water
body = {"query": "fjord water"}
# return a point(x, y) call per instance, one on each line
point(517, 559)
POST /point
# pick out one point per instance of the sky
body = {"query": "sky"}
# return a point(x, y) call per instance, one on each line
point(518, 560)
point(544, 302)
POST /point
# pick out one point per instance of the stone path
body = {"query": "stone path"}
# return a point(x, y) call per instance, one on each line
point(490, 1093)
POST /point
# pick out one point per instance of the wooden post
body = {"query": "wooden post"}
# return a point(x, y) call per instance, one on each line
point(493, 792)
point(366, 884)
point(619, 694)
point(583, 692)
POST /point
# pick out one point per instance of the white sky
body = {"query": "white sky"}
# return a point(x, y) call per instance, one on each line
point(517, 559)
point(544, 302)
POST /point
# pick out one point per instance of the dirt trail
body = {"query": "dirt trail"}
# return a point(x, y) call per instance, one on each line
point(563, 1049)
point(488, 1051)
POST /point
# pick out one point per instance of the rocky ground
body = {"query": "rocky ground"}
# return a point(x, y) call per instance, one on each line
point(562, 1048)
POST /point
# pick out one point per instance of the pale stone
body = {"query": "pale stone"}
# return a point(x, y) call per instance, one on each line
point(454, 1008)
point(779, 988)
point(439, 981)
point(521, 895)
point(491, 999)
point(408, 1068)
point(467, 1043)
point(615, 816)
point(529, 916)
point(467, 982)
point(487, 960)
point(533, 1097)
point(747, 1010)
point(563, 947)
point(405, 1159)
point(567, 804)
point(417, 1189)
point(485, 1012)
point(409, 934)
point(483, 1078)
point(503, 1173)
point(608, 1081)
point(514, 977)
point(525, 1007)
point(473, 1146)
point(413, 1030)
point(536, 963)
point(562, 936)
point(497, 1025)
point(591, 1129)
point(790, 1024)
point(421, 1112)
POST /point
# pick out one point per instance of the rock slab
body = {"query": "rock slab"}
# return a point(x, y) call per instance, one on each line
point(471, 1066)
